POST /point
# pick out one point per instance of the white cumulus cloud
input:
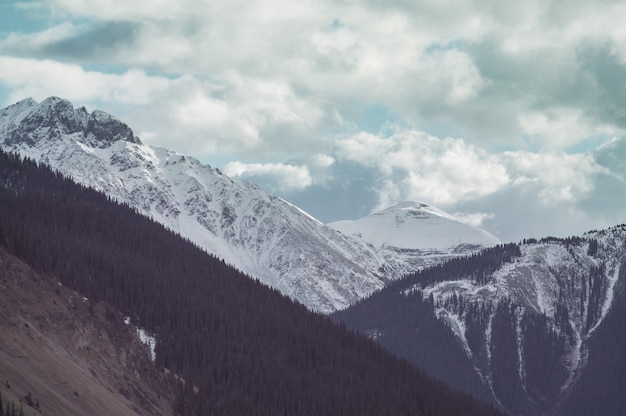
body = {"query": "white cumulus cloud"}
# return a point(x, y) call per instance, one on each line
point(287, 177)
point(415, 165)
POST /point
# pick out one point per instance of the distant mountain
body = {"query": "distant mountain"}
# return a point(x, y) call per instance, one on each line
point(515, 325)
point(227, 344)
point(417, 234)
point(260, 234)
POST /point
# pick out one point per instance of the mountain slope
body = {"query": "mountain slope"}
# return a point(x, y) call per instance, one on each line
point(259, 234)
point(240, 347)
point(521, 317)
point(68, 354)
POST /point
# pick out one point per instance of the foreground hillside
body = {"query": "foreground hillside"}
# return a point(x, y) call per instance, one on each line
point(63, 354)
point(241, 347)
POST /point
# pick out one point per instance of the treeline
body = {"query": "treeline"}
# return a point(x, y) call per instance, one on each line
point(240, 347)
point(478, 267)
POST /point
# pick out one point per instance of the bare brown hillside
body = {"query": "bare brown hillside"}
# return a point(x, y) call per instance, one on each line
point(74, 357)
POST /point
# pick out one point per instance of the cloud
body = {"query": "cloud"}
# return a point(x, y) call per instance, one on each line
point(41, 78)
point(475, 219)
point(415, 165)
point(558, 194)
point(552, 177)
point(286, 177)
point(322, 161)
point(34, 42)
point(606, 202)
point(561, 128)
point(186, 113)
point(534, 74)
point(83, 42)
point(479, 107)
point(241, 117)
point(515, 194)
point(114, 9)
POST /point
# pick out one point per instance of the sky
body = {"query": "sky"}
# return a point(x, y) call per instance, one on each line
point(511, 116)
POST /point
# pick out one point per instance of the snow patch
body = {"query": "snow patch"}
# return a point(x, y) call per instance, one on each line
point(608, 300)
point(146, 338)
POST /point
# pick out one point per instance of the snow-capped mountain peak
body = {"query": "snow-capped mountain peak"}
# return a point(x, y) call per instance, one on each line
point(27, 122)
point(416, 208)
point(260, 234)
point(415, 226)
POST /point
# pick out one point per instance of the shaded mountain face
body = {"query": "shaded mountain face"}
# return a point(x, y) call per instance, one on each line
point(516, 320)
point(322, 267)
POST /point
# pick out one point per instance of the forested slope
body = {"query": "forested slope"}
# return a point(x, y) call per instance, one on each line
point(241, 347)
point(535, 327)
point(403, 321)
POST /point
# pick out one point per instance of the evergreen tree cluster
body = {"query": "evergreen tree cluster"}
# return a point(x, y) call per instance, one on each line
point(239, 347)
point(9, 408)
point(406, 324)
point(478, 267)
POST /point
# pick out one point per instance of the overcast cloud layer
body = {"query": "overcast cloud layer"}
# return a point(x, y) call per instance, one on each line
point(511, 116)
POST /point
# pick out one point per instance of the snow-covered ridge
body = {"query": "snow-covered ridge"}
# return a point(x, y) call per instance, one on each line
point(555, 294)
point(324, 268)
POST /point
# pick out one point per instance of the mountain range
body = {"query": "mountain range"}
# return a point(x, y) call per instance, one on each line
point(326, 268)
point(525, 327)
point(79, 273)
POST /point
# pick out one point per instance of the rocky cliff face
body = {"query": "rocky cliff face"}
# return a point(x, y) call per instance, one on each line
point(258, 233)
point(29, 122)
